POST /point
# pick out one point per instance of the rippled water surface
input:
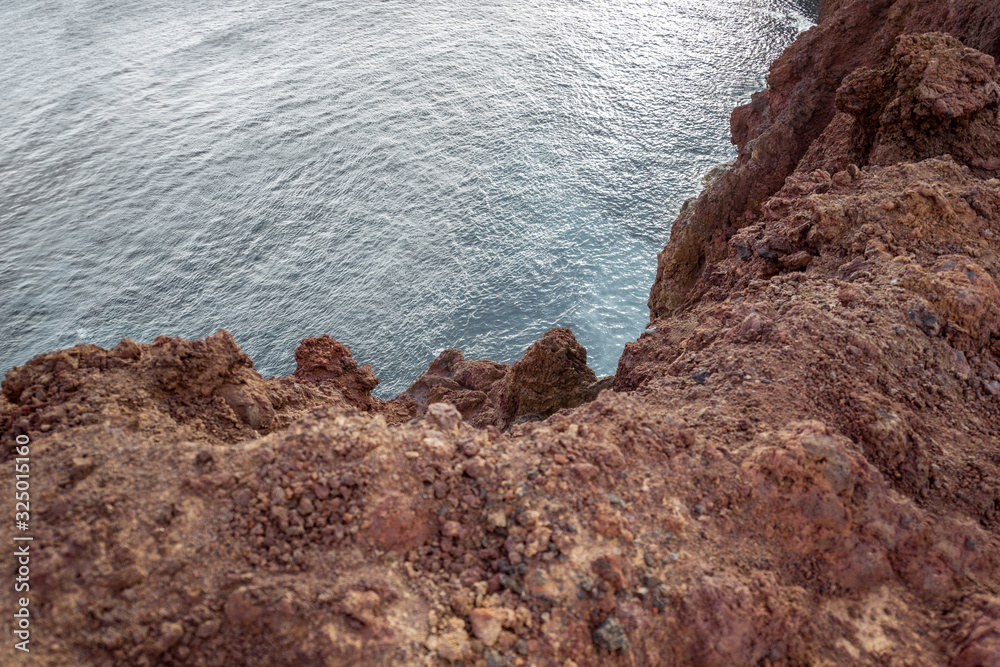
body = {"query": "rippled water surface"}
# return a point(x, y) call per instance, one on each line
point(403, 175)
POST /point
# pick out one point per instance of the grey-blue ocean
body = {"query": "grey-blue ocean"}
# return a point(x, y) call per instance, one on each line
point(403, 175)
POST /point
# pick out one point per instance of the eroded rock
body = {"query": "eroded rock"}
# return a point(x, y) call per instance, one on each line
point(324, 359)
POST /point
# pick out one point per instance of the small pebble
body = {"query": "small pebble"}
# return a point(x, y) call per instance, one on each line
point(611, 635)
point(615, 500)
point(493, 659)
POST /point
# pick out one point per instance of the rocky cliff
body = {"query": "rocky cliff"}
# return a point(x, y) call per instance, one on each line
point(798, 462)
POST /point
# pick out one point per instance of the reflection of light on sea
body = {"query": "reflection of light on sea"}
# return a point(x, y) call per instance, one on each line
point(404, 176)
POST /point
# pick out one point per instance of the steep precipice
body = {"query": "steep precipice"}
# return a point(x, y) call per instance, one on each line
point(775, 130)
point(798, 464)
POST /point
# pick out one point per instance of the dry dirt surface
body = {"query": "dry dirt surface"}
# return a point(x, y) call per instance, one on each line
point(798, 462)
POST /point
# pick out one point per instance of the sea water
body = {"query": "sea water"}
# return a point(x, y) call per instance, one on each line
point(404, 175)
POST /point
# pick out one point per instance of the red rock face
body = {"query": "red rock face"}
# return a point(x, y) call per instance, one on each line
point(776, 129)
point(800, 466)
point(937, 97)
point(453, 379)
point(552, 375)
point(727, 623)
point(324, 359)
point(170, 379)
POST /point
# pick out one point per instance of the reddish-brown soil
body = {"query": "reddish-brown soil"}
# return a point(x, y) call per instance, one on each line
point(798, 462)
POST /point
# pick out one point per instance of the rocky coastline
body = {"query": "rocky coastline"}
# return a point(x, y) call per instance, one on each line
point(796, 463)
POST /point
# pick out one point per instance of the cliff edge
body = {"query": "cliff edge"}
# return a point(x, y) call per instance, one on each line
point(798, 462)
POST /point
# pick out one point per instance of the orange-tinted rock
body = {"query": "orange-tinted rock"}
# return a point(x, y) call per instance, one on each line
point(169, 380)
point(776, 129)
point(486, 625)
point(963, 296)
point(197, 367)
point(552, 375)
point(399, 522)
point(611, 569)
point(798, 467)
point(324, 359)
point(937, 97)
point(451, 378)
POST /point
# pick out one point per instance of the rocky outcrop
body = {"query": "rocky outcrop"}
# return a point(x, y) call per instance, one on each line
point(205, 388)
point(937, 97)
point(798, 466)
point(464, 383)
point(325, 360)
point(169, 382)
point(776, 129)
point(552, 375)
